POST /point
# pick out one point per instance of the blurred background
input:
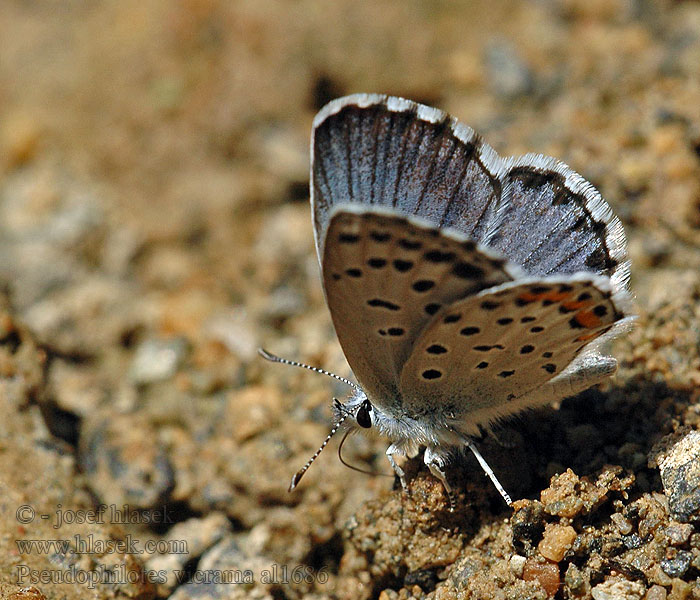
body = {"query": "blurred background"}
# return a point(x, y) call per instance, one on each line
point(155, 231)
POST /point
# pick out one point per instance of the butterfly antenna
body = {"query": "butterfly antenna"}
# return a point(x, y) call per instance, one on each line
point(285, 361)
point(300, 473)
point(489, 471)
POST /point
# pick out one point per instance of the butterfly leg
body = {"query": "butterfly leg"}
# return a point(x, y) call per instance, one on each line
point(390, 452)
point(488, 471)
point(436, 464)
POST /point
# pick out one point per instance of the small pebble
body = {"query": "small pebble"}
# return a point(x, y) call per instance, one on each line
point(656, 592)
point(156, 360)
point(678, 565)
point(556, 541)
point(517, 564)
point(618, 589)
point(623, 525)
point(678, 533)
point(546, 574)
point(680, 475)
point(574, 579)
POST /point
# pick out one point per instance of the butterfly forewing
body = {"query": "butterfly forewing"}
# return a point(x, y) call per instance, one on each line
point(487, 350)
point(393, 153)
point(386, 277)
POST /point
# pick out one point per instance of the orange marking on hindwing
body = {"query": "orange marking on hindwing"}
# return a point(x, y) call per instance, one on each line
point(587, 319)
point(576, 304)
point(554, 296)
point(587, 337)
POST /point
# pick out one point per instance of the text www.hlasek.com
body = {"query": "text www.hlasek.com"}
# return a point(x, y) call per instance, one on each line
point(91, 545)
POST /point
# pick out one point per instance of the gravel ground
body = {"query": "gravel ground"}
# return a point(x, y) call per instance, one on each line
point(155, 230)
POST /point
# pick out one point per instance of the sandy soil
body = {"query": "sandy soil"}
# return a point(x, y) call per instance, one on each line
point(155, 230)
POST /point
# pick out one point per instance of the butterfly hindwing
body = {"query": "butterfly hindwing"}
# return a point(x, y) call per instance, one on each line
point(557, 222)
point(488, 350)
point(385, 277)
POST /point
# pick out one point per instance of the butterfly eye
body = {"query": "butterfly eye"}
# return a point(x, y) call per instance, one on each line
point(362, 417)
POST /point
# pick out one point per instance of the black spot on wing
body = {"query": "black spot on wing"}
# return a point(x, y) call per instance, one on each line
point(432, 308)
point(402, 265)
point(379, 303)
point(600, 311)
point(436, 349)
point(438, 256)
point(465, 270)
point(575, 324)
point(380, 236)
point(410, 244)
point(423, 285)
point(377, 263)
point(490, 305)
point(469, 331)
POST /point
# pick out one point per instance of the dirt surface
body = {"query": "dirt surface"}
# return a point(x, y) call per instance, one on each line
point(155, 230)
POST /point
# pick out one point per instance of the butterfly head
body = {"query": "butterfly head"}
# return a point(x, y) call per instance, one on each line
point(357, 411)
point(363, 416)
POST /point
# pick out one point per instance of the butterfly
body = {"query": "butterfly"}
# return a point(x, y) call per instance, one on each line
point(463, 287)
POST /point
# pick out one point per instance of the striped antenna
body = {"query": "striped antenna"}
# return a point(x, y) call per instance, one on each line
point(300, 473)
point(285, 361)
